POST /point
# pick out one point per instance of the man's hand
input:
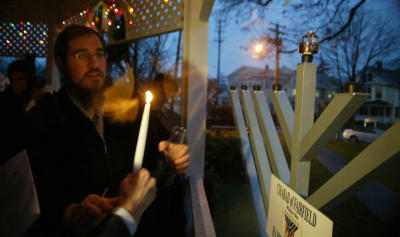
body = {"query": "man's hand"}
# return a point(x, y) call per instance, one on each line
point(137, 192)
point(83, 216)
point(177, 154)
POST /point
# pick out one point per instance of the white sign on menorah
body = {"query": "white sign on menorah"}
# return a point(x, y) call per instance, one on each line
point(292, 216)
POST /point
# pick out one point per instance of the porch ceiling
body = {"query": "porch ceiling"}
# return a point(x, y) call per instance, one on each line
point(42, 11)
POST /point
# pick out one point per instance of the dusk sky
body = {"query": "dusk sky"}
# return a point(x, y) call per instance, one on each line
point(233, 56)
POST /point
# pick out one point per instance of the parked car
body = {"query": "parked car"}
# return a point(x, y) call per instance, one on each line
point(362, 134)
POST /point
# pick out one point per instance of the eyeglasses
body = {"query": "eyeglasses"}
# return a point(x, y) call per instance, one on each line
point(85, 57)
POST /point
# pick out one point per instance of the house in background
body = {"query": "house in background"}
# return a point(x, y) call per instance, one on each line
point(251, 76)
point(384, 104)
point(218, 91)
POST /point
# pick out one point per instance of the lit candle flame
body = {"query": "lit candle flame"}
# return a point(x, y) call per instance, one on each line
point(149, 97)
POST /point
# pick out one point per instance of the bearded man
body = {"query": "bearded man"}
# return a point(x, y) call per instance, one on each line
point(76, 175)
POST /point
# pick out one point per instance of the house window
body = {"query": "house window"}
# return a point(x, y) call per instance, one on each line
point(378, 92)
point(369, 77)
point(366, 90)
point(381, 111)
point(388, 109)
point(363, 110)
point(397, 112)
point(377, 111)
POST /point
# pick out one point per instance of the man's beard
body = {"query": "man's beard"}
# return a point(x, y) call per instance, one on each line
point(91, 99)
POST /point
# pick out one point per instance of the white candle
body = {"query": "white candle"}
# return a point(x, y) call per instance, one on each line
point(141, 141)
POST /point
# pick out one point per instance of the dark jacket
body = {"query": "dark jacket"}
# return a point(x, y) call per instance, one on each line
point(68, 158)
point(112, 226)
point(12, 112)
point(165, 216)
point(69, 161)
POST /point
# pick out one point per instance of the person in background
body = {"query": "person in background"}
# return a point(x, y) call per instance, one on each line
point(167, 210)
point(12, 106)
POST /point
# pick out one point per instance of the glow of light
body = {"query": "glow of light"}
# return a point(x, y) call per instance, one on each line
point(10, 44)
point(107, 10)
point(21, 23)
point(258, 48)
point(84, 11)
point(81, 14)
point(25, 32)
point(113, 5)
point(130, 22)
point(7, 41)
point(24, 37)
point(149, 97)
point(118, 26)
point(11, 24)
point(92, 23)
point(44, 33)
point(109, 22)
point(63, 22)
point(166, 1)
point(20, 33)
point(116, 10)
point(131, 10)
point(106, 13)
point(41, 42)
point(28, 23)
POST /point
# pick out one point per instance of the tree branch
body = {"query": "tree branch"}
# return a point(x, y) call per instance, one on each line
point(264, 4)
point(343, 28)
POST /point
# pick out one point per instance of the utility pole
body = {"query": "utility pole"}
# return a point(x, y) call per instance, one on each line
point(219, 41)
point(178, 55)
point(277, 41)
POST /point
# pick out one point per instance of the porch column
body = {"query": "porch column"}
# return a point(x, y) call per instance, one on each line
point(194, 84)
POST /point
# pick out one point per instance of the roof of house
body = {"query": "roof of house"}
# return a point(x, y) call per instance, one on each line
point(248, 73)
point(384, 77)
point(287, 77)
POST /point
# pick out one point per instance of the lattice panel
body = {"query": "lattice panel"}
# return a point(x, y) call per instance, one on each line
point(150, 17)
point(18, 39)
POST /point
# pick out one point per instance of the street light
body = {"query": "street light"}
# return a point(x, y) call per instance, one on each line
point(258, 49)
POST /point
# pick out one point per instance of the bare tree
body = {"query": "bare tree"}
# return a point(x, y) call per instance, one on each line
point(365, 42)
point(323, 16)
point(150, 55)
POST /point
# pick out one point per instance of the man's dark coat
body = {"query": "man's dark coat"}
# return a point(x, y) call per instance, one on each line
point(69, 160)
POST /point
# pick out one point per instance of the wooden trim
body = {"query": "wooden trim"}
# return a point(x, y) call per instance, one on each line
point(206, 9)
point(202, 221)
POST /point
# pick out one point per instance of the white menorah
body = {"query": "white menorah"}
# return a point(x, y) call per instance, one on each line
point(263, 154)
